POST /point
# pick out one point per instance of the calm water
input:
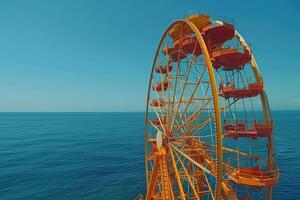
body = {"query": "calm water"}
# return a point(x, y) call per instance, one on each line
point(101, 155)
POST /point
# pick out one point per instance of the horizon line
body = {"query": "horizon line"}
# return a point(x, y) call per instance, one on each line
point(110, 111)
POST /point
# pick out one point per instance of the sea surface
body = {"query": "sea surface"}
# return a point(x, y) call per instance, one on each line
point(101, 155)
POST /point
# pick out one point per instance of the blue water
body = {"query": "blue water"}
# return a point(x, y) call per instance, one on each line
point(101, 155)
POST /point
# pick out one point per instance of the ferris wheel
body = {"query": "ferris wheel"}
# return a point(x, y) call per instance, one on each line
point(209, 131)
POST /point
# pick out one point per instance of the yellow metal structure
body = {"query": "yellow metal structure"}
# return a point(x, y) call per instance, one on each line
point(204, 136)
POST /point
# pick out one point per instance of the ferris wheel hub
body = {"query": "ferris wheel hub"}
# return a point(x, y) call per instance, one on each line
point(159, 139)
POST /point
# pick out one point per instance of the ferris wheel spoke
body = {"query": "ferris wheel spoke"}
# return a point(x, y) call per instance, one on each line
point(209, 186)
point(195, 89)
point(190, 100)
point(179, 183)
point(184, 147)
point(187, 175)
point(206, 100)
point(156, 127)
point(177, 73)
point(197, 112)
point(191, 118)
point(193, 128)
point(180, 121)
point(203, 168)
point(202, 125)
point(189, 178)
point(185, 82)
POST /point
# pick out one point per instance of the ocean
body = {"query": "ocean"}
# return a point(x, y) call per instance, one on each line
point(101, 155)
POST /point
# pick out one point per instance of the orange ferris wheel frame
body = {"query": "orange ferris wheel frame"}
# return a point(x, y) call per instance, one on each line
point(162, 170)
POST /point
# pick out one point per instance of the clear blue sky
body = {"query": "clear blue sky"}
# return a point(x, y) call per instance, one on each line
point(95, 55)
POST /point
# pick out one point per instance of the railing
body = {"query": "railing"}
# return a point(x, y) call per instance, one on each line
point(248, 124)
point(254, 172)
point(242, 83)
point(257, 173)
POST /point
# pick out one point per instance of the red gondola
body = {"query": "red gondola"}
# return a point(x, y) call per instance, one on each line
point(188, 45)
point(230, 59)
point(177, 56)
point(238, 130)
point(174, 54)
point(157, 103)
point(229, 91)
point(168, 51)
point(162, 86)
point(241, 134)
point(163, 69)
point(237, 127)
point(182, 47)
point(216, 36)
point(263, 130)
point(254, 176)
point(156, 122)
point(248, 130)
